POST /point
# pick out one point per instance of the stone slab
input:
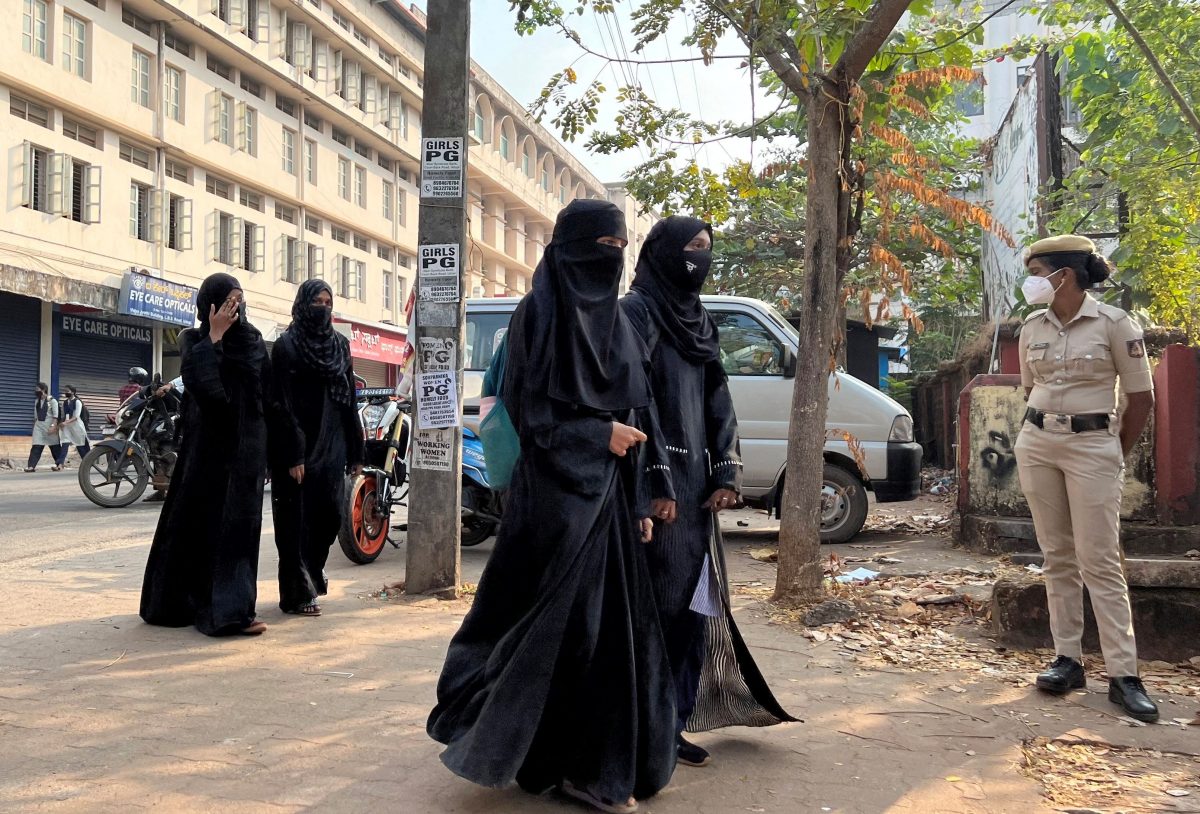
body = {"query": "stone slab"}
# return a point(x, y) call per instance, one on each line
point(990, 534)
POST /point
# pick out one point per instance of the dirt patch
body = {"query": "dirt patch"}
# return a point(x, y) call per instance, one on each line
point(1107, 777)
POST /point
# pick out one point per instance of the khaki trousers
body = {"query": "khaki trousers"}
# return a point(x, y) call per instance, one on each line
point(1073, 484)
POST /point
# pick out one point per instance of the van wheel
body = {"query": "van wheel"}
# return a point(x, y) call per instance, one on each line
point(843, 505)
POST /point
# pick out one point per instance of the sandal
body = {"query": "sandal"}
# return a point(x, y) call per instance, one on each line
point(255, 628)
point(56, 468)
point(31, 469)
point(311, 609)
point(601, 803)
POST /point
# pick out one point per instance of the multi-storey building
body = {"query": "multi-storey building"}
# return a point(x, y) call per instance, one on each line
point(154, 142)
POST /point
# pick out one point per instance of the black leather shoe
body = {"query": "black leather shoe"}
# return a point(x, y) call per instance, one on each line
point(1129, 693)
point(1064, 675)
point(692, 755)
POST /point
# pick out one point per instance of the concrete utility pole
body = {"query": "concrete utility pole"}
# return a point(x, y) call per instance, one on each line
point(434, 518)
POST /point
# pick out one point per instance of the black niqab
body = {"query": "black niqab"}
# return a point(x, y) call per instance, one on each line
point(670, 280)
point(592, 353)
point(242, 343)
point(321, 347)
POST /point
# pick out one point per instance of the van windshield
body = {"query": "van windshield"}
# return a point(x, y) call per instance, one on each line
point(484, 332)
point(780, 320)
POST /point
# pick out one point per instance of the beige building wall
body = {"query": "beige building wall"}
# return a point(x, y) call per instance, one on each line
point(272, 140)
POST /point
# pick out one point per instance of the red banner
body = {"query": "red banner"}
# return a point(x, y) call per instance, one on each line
point(378, 345)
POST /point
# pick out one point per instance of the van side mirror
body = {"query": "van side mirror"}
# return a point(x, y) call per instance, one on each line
point(789, 363)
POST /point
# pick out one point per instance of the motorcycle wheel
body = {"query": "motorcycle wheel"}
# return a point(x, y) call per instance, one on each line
point(474, 530)
point(103, 468)
point(366, 521)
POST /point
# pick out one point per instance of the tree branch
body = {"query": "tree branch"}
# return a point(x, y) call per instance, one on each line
point(1186, 109)
point(866, 42)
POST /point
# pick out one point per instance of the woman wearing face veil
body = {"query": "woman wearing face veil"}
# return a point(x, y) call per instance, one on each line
point(558, 676)
point(319, 437)
point(203, 565)
point(716, 681)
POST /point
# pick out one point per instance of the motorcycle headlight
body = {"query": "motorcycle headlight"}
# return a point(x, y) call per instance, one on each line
point(372, 414)
point(902, 429)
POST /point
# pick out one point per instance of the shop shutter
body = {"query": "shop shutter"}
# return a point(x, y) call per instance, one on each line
point(376, 373)
point(99, 368)
point(20, 334)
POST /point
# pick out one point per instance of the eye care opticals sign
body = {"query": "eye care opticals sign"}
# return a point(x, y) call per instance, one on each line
point(103, 329)
point(157, 299)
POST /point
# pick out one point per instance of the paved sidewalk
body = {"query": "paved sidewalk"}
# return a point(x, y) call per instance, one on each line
point(99, 712)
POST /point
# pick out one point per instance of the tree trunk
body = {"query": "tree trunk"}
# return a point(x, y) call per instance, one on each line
point(800, 576)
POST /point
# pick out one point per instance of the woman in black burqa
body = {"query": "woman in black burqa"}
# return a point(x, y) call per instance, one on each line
point(318, 440)
point(716, 681)
point(203, 564)
point(558, 675)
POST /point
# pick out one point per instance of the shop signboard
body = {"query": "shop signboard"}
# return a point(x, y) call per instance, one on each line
point(158, 299)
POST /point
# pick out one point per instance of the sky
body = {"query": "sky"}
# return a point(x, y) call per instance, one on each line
point(523, 65)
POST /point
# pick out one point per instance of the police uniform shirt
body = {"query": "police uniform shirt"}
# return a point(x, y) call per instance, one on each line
point(1071, 368)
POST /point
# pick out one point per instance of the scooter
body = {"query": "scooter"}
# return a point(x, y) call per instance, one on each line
point(386, 418)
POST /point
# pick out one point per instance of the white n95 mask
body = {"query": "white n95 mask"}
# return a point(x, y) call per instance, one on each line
point(1039, 290)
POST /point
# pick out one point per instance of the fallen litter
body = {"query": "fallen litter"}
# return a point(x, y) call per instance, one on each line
point(765, 554)
point(858, 575)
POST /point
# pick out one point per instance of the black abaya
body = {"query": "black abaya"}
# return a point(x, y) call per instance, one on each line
point(716, 680)
point(324, 435)
point(203, 564)
point(559, 670)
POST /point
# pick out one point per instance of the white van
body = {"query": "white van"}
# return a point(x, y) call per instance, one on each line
point(759, 350)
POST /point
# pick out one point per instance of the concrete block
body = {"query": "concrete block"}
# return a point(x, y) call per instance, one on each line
point(1140, 572)
point(990, 534)
point(1165, 620)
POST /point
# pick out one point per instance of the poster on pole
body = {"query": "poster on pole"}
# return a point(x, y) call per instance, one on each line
point(442, 167)
point(437, 400)
point(434, 450)
point(437, 353)
point(437, 272)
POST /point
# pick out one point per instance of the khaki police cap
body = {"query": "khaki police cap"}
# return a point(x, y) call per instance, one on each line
point(1059, 245)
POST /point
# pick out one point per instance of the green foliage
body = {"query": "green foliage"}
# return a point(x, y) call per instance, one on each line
point(1139, 154)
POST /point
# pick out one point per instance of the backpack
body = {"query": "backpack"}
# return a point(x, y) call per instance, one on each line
point(501, 444)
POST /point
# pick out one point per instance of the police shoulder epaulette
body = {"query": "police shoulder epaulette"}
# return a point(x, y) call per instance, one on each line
point(1041, 312)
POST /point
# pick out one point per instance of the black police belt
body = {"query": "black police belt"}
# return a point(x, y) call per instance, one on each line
point(1058, 422)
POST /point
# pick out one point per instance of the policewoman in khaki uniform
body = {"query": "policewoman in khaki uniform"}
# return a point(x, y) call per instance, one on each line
point(1071, 457)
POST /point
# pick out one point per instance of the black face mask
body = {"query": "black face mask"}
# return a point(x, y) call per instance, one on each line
point(698, 264)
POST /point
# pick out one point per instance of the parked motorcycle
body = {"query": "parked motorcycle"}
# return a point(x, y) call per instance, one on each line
point(139, 446)
point(386, 419)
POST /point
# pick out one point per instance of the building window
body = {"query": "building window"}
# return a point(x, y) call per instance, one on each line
point(400, 299)
point(223, 117)
point(389, 192)
point(173, 93)
point(138, 156)
point(34, 25)
point(344, 178)
point(350, 278)
point(252, 87)
point(362, 244)
point(341, 138)
point(179, 225)
point(310, 160)
point(230, 11)
point(136, 21)
point(362, 37)
point(251, 199)
point(177, 43)
point(298, 47)
point(75, 45)
point(85, 188)
point(294, 257)
point(314, 122)
point(140, 197)
point(285, 213)
point(362, 148)
point(314, 225)
point(969, 97)
point(387, 289)
point(31, 112)
point(178, 171)
point(216, 186)
point(254, 240)
point(342, 21)
point(227, 240)
point(505, 145)
point(221, 69)
point(562, 191)
point(546, 179)
point(285, 105)
point(36, 159)
point(248, 129)
point(384, 162)
point(289, 151)
point(139, 90)
point(339, 235)
point(257, 19)
point(383, 252)
point(82, 133)
point(527, 162)
point(360, 186)
point(478, 123)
